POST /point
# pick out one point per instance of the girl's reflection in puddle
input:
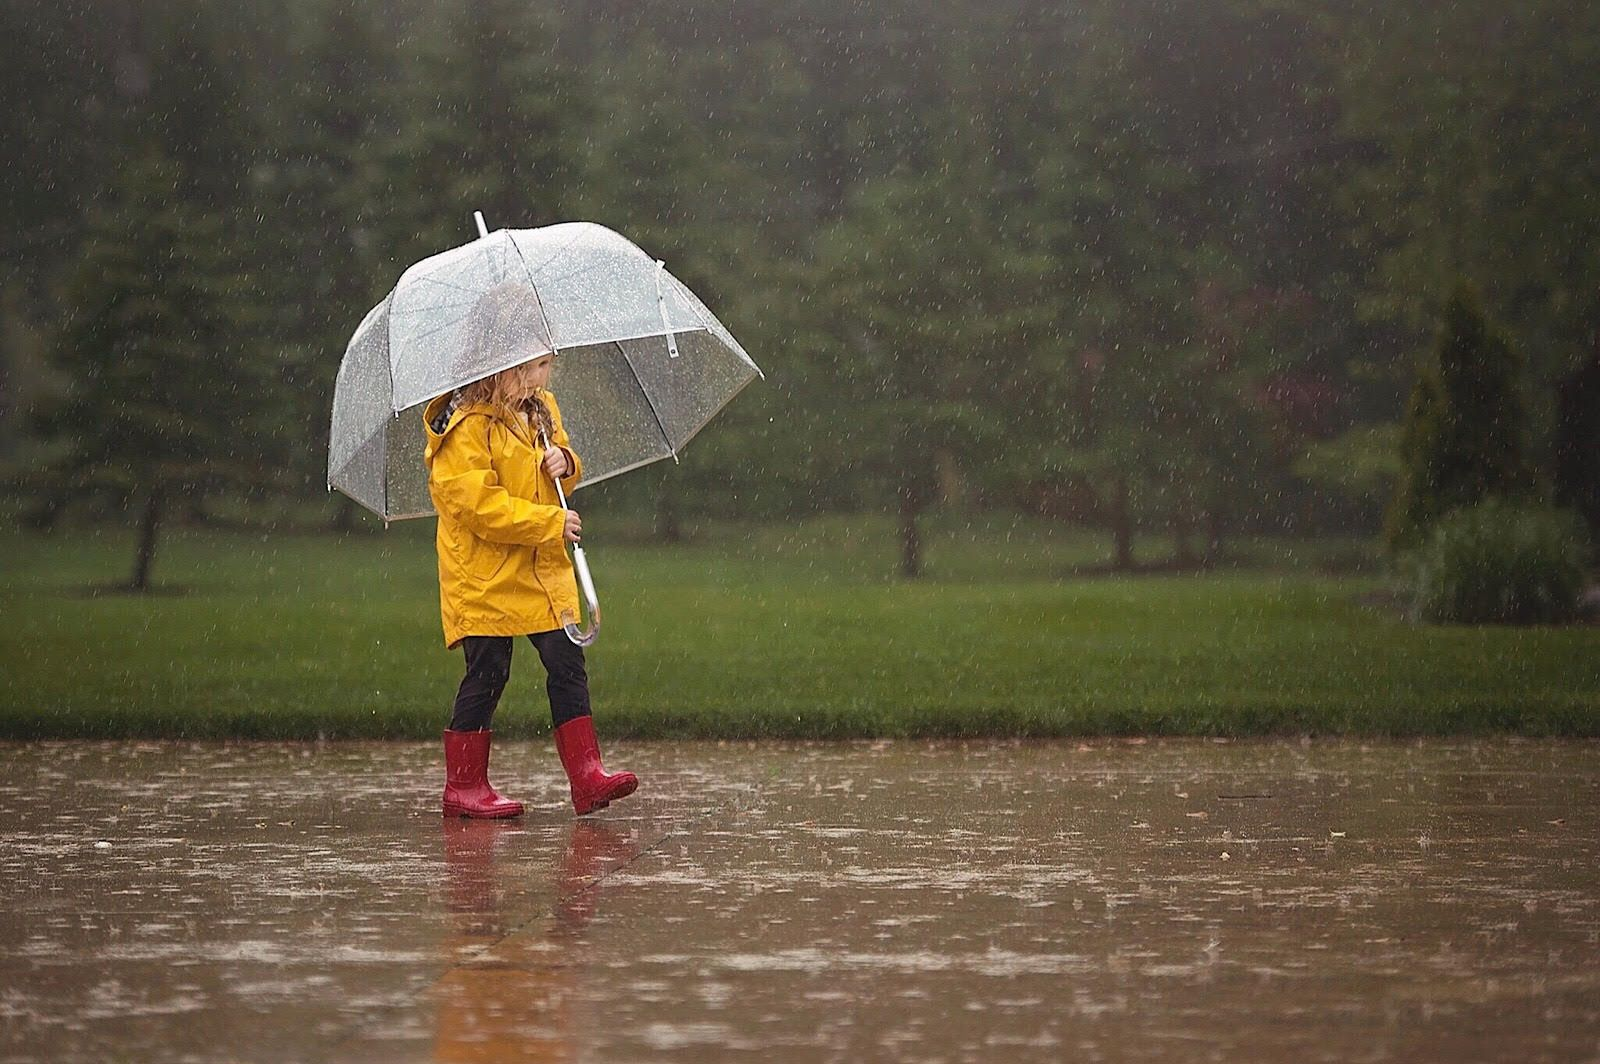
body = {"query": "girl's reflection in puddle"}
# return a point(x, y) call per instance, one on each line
point(510, 998)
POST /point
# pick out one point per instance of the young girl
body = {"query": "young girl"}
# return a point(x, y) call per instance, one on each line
point(504, 572)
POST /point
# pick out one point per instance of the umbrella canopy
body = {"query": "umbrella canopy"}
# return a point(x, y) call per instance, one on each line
point(642, 364)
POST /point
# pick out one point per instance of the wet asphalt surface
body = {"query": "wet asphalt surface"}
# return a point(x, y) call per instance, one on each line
point(1111, 900)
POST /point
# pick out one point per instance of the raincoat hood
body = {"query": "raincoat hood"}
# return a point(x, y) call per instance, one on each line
point(436, 408)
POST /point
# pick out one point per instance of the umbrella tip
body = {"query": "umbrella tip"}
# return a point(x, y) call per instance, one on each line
point(483, 230)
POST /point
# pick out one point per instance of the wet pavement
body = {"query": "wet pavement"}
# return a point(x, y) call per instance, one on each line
point(1113, 900)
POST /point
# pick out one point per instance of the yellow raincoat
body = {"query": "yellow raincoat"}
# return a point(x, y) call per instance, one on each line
point(503, 567)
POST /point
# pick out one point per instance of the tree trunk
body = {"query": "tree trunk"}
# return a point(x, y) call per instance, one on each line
point(344, 517)
point(1182, 525)
point(952, 485)
point(669, 528)
point(148, 524)
point(1214, 529)
point(1121, 525)
point(668, 513)
point(43, 516)
point(910, 541)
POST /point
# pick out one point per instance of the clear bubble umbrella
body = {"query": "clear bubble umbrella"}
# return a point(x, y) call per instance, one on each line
point(643, 364)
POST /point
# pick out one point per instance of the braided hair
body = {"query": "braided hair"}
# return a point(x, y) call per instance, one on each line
point(539, 415)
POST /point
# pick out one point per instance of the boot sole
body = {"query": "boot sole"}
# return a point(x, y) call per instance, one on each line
point(464, 814)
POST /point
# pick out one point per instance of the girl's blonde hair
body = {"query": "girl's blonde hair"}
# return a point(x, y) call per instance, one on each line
point(496, 390)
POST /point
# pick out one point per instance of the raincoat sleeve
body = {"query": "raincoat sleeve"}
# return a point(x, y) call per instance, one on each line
point(569, 481)
point(464, 486)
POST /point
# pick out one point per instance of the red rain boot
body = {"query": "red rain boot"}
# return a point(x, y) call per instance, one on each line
point(592, 788)
point(466, 788)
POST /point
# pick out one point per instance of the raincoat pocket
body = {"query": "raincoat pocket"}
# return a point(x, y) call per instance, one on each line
point(484, 559)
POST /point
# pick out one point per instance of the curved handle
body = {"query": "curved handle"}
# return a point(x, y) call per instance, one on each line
point(569, 623)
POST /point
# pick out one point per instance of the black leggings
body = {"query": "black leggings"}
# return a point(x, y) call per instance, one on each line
point(489, 667)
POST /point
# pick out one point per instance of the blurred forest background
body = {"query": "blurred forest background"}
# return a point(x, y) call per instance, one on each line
point(1144, 266)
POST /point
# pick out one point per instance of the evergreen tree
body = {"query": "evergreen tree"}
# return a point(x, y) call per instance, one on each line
point(1415, 504)
point(323, 201)
point(484, 125)
point(163, 390)
point(1466, 432)
point(1577, 457)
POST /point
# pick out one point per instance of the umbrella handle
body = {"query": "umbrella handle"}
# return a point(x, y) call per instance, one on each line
point(580, 636)
point(569, 624)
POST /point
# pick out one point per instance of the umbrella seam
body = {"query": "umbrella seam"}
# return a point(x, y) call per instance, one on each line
point(533, 285)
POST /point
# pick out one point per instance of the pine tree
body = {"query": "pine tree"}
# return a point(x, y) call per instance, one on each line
point(163, 387)
point(324, 197)
point(1416, 499)
point(1577, 445)
point(1466, 431)
point(486, 124)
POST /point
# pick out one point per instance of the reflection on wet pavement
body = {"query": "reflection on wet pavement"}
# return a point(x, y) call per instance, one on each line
point(888, 901)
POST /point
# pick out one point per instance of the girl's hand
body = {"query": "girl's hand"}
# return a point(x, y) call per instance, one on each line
point(555, 463)
point(574, 528)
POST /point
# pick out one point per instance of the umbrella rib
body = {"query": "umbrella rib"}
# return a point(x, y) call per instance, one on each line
point(445, 284)
point(661, 425)
point(502, 264)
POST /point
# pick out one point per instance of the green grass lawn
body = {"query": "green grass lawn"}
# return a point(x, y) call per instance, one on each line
point(792, 631)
